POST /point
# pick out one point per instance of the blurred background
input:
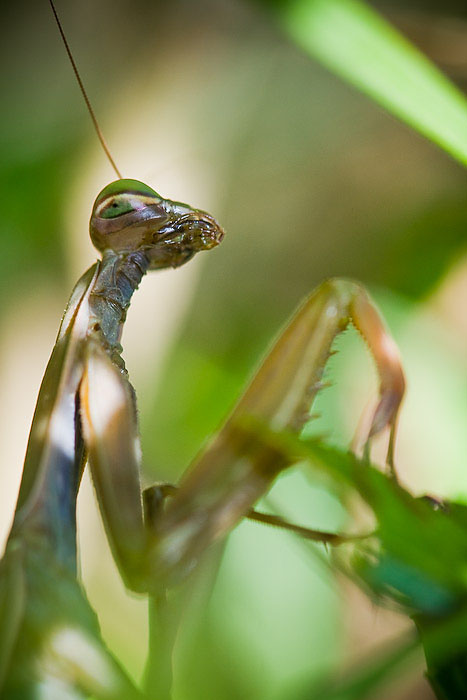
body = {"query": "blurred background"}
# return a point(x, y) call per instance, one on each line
point(208, 103)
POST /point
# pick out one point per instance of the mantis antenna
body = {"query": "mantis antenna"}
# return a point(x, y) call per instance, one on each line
point(83, 92)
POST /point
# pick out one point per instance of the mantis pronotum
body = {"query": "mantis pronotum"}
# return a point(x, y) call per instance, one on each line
point(86, 410)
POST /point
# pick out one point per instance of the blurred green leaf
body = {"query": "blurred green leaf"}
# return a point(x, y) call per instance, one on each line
point(418, 554)
point(353, 41)
point(423, 552)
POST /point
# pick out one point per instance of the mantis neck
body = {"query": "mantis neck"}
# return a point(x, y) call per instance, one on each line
point(110, 297)
point(46, 508)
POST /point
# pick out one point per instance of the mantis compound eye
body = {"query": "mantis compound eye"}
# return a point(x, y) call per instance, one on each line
point(122, 197)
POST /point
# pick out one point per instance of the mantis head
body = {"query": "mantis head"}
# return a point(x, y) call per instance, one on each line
point(128, 216)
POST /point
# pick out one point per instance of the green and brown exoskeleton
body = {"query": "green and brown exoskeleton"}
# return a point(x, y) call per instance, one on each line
point(50, 644)
point(86, 409)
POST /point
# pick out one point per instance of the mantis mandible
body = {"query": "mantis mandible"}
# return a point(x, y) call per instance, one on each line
point(50, 640)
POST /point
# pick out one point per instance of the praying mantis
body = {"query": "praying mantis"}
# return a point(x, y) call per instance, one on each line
point(50, 641)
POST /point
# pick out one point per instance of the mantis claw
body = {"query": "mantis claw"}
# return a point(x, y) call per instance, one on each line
point(235, 469)
point(392, 381)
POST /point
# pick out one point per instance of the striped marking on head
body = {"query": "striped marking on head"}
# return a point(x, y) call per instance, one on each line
point(122, 197)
